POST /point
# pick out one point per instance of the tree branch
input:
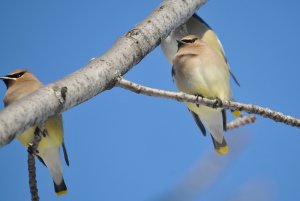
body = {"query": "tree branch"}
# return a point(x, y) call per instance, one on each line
point(180, 96)
point(241, 121)
point(100, 73)
point(32, 151)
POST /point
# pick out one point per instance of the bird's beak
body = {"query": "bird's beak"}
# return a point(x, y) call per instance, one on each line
point(6, 78)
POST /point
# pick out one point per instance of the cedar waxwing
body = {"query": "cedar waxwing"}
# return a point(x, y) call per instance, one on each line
point(20, 83)
point(199, 69)
point(198, 27)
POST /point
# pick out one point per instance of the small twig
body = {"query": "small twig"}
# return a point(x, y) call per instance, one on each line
point(241, 121)
point(180, 96)
point(32, 151)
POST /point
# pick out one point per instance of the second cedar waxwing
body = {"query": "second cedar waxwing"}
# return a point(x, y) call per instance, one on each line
point(19, 84)
point(198, 27)
point(198, 69)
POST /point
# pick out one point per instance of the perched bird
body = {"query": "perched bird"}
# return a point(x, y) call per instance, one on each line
point(19, 84)
point(201, 70)
point(198, 27)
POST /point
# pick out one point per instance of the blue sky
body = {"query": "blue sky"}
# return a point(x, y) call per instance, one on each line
point(124, 146)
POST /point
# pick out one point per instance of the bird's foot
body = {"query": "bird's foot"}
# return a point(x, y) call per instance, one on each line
point(41, 133)
point(45, 133)
point(218, 103)
point(37, 131)
point(197, 98)
point(31, 150)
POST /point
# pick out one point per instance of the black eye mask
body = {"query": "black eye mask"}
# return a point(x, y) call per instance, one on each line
point(16, 75)
point(189, 40)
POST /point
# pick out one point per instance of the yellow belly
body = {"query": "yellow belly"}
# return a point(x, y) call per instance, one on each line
point(54, 138)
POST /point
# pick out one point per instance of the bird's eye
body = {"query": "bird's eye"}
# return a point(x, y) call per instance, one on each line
point(19, 75)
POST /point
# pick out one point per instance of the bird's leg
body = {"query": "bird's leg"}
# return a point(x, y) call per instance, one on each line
point(197, 98)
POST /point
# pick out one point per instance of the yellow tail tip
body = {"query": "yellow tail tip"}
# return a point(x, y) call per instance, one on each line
point(222, 150)
point(236, 113)
point(61, 192)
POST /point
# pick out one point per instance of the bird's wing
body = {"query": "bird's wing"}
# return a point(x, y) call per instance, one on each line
point(198, 122)
point(194, 26)
point(65, 154)
point(41, 160)
point(224, 119)
point(197, 26)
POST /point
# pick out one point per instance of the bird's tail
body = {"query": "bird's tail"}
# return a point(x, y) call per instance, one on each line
point(52, 160)
point(61, 188)
point(215, 121)
point(220, 148)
